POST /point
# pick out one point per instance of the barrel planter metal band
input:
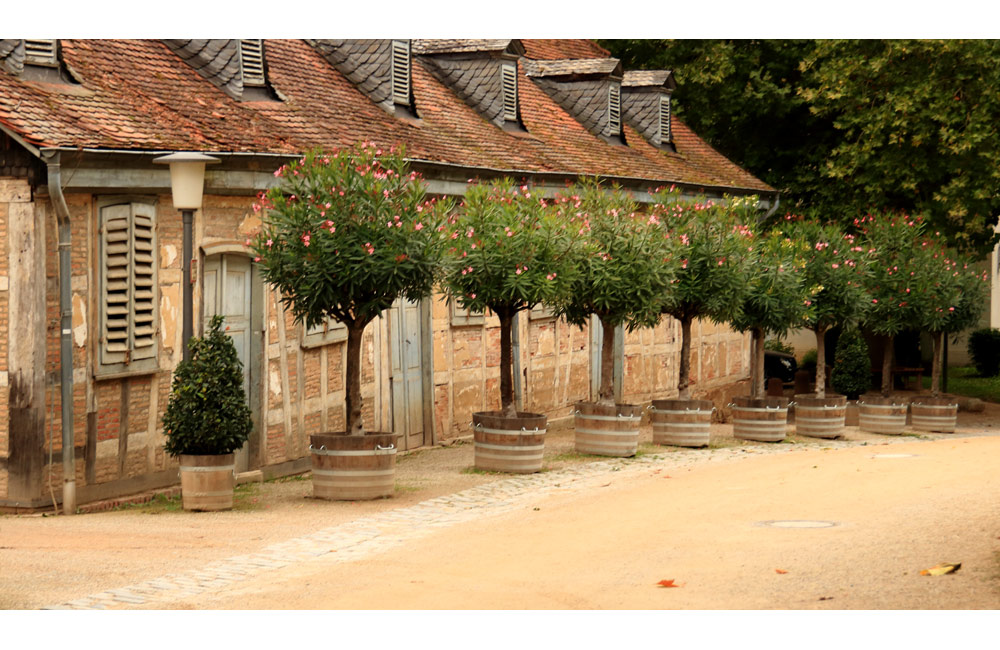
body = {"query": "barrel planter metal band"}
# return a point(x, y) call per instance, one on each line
point(938, 414)
point(681, 422)
point(514, 445)
point(820, 417)
point(885, 415)
point(762, 420)
point(207, 482)
point(607, 430)
point(353, 468)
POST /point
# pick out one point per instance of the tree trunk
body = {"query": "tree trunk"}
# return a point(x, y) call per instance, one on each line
point(887, 361)
point(355, 426)
point(684, 376)
point(757, 386)
point(507, 405)
point(820, 361)
point(936, 364)
point(607, 393)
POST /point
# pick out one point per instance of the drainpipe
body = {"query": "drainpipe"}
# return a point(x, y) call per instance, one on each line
point(66, 327)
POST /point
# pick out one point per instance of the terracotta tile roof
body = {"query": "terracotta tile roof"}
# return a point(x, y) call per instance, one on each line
point(139, 95)
point(563, 48)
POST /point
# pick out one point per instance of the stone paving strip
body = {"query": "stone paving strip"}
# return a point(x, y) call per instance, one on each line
point(382, 532)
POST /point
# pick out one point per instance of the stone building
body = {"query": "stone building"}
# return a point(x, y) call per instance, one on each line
point(82, 120)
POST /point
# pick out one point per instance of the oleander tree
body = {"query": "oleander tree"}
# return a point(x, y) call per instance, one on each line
point(714, 244)
point(778, 296)
point(507, 252)
point(951, 301)
point(345, 235)
point(899, 278)
point(626, 263)
point(836, 267)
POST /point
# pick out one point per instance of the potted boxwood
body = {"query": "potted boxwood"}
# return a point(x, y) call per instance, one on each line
point(953, 301)
point(626, 266)
point(714, 243)
point(207, 419)
point(344, 236)
point(777, 299)
point(837, 265)
point(507, 253)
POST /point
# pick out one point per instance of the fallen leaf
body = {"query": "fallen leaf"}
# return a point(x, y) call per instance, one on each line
point(606, 485)
point(781, 571)
point(826, 598)
point(942, 569)
point(667, 583)
point(666, 476)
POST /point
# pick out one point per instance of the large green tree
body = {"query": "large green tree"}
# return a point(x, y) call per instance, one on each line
point(846, 126)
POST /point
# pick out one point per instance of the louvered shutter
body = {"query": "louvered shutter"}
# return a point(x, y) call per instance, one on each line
point(664, 119)
point(252, 61)
point(401, 72)
point(40, 51)
point(143, 338)
point(614, 109)
point(128, 289)
point(509, 81)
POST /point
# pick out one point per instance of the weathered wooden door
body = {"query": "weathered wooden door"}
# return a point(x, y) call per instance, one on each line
point(406, 352)
point(596, 345)
point(227, 292)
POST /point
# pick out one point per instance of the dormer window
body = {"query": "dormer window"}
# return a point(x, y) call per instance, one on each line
point(614, 109)
point(41, 52)
point(665, 135)
point(401, 73)
point(252, 62)
point(508, 73)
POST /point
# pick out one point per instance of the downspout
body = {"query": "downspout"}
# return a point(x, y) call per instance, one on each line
point(66, 328)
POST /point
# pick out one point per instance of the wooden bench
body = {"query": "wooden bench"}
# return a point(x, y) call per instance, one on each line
point(905, 374)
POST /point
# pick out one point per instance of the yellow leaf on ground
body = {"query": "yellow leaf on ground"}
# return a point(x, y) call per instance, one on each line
point(942, 569)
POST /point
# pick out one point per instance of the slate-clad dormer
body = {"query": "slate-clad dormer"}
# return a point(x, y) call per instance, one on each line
point(236, 66)
point(646, 104)
point(34, 59)
point(380, 68)
point(482, 72)
point(588, 89)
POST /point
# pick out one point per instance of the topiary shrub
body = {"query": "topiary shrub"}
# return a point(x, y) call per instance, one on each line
point(809, 360)
point(984, 348)
point(851, 374)
point(207, 413)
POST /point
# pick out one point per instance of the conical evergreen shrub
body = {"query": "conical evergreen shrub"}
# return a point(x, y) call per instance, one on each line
point(852, 373)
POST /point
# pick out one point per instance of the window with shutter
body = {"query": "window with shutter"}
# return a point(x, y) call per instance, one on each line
point(509, 81)
point(128, 288)
point(401, 72)
point(664, 119)
point(330, 331)
point(252, 61)
point(614, 109)
point(461, 316)
point(40, 51)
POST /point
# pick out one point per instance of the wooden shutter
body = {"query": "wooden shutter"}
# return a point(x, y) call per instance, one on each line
point(664, 119)
point(401, 72)
point(509, 82)
point(614, 109)
point(252, 61)
point(40, 51)
point(128, 289)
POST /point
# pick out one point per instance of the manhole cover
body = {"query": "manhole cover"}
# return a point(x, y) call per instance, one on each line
point(894, 456)
point(799, 523)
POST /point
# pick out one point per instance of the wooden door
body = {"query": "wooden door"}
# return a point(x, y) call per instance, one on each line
point(596, 344)
point(405, 350)
point(227, 292)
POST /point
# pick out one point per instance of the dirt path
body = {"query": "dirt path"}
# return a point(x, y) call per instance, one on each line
point(622, 533)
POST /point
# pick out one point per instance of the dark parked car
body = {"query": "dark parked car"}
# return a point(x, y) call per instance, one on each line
point(780, 365)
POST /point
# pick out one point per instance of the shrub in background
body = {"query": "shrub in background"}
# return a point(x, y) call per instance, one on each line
point(777, 345)
point(851, 374)
point(984, 348)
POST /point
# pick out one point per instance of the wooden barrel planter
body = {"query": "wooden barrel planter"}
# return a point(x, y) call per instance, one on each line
point(938, 414)
point(762, 420)
point(353, 468)
point(207, 482)
point(607, 430)
point(681, 422)
point(513, 445)
point(820, 417)
point(877, 414)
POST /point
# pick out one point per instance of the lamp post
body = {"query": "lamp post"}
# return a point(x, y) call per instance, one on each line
point(187, 183)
